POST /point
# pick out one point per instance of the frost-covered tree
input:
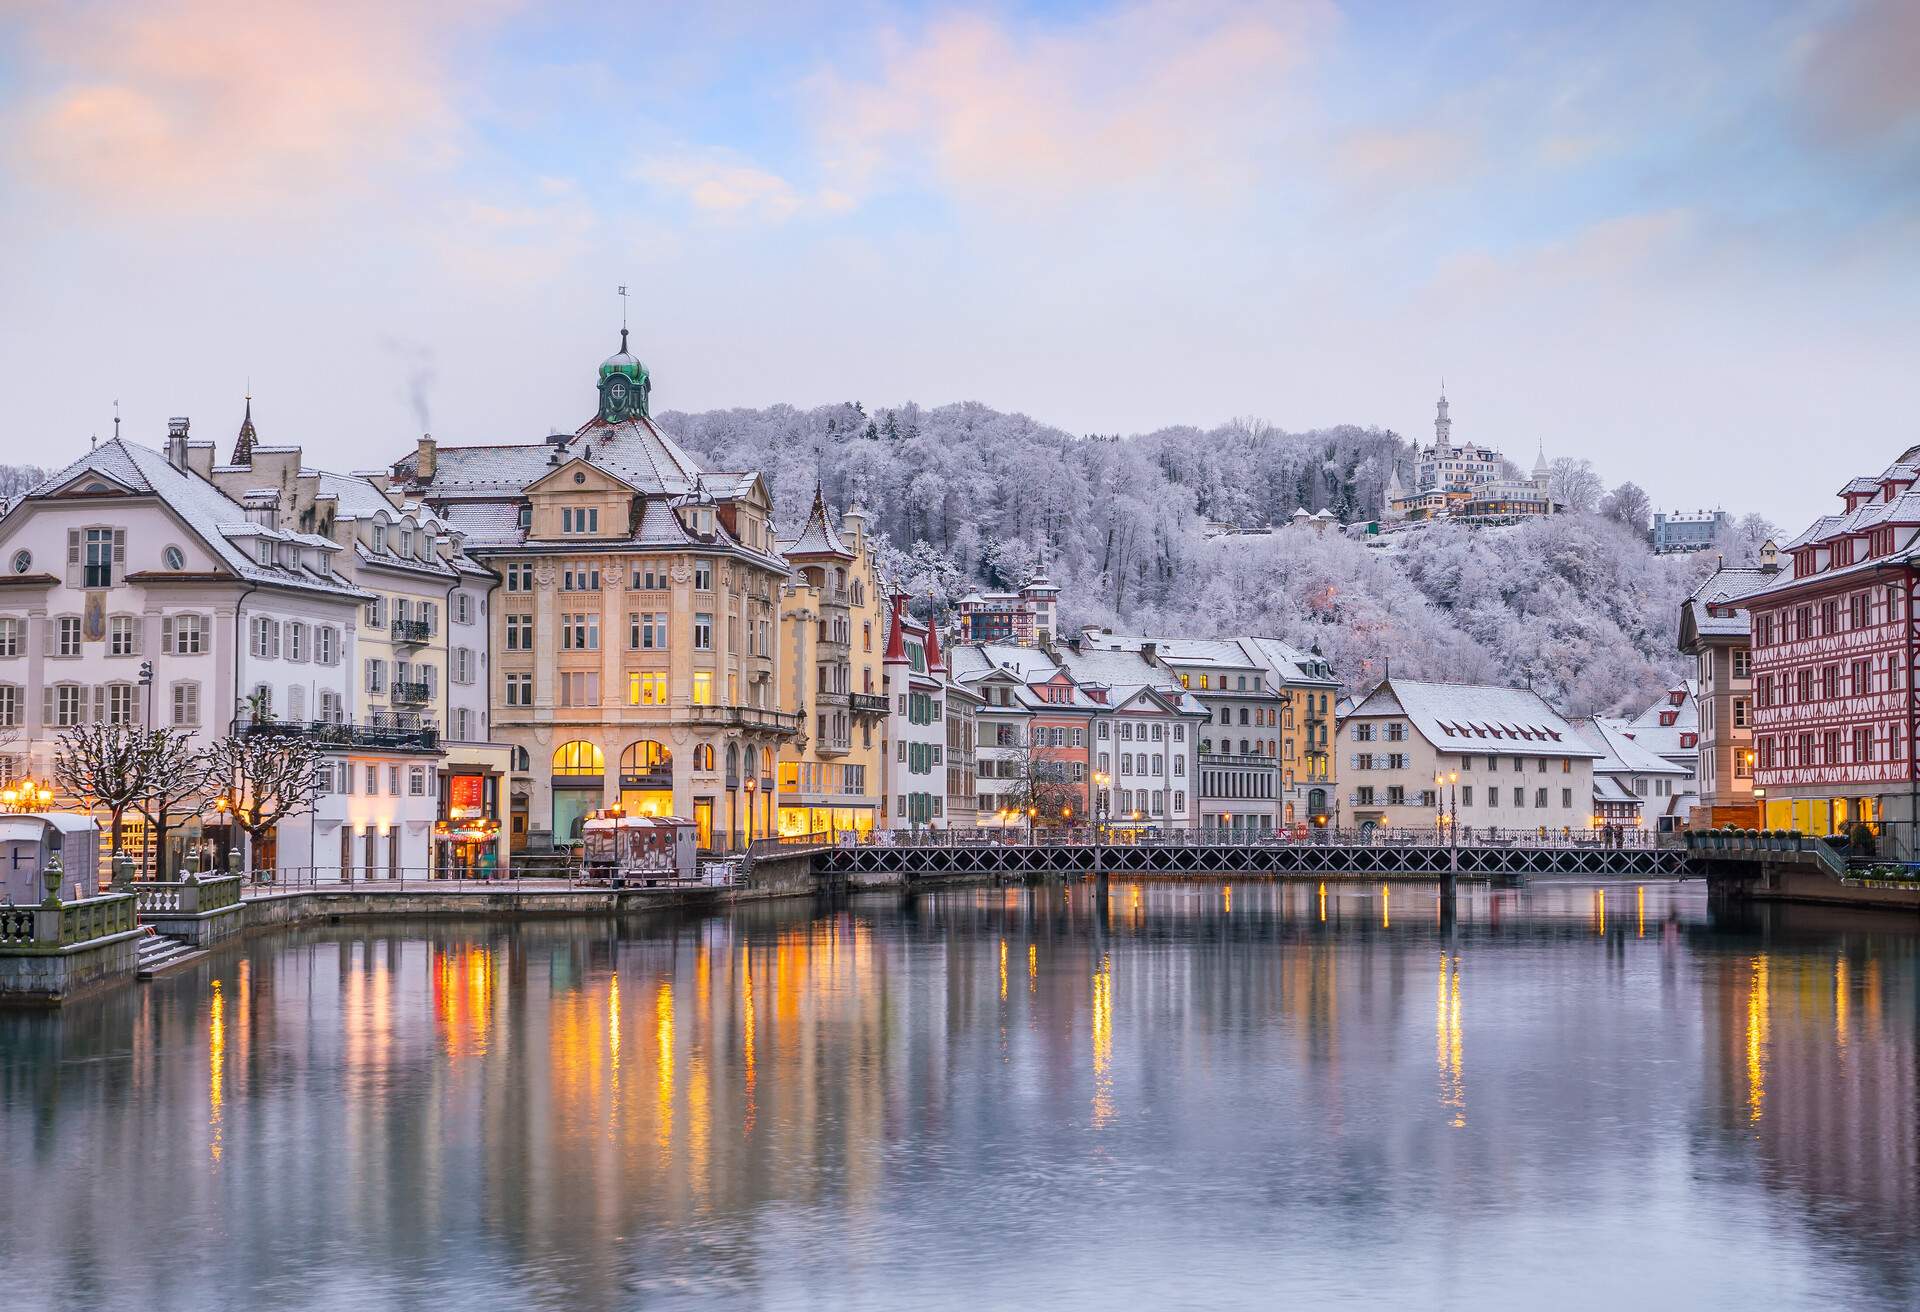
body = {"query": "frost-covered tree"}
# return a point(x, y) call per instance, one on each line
point(1574, 484)
point(267, 778)
point(1629, 506)
point(112, 767)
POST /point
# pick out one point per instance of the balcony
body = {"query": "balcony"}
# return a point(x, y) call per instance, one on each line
point(412, 694)
point(744, 717)
point(384, 734)
point(1221, 759)
point(411, 633)
point(867, 703)
point(825, 698)
point(833, 746)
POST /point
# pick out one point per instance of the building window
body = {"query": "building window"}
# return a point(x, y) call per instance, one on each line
point(123, 636)
point(66, 636)
point(580, 687)
point(519, 633)
point(102, 545)
point(702, 688)
point(519, 690)
point(646, 688)
point(703, 576)
point(1739, 712)
point(703, 631)
point(580, 631)
point(9, 707)
point(520, 576)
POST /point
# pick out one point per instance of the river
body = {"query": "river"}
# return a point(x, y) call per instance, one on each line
point(1204, 1094)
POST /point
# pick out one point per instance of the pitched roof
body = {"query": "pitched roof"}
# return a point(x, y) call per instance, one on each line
point(1465, 717)
point(217, 519)
point(818, 536)
point(1621, 753)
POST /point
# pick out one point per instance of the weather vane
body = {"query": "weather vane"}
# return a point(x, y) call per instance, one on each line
point(622, 289)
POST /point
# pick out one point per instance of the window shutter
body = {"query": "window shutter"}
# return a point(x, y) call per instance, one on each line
point(99, 703)
point(273, 632)
point(296, 703)
point(119, 546)
point(48, 627)
point(73, 557)
point(431, 611)
point(46, 705)
point(369, 674)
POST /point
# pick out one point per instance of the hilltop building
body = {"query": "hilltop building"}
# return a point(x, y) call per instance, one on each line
point(1690, 530)
point(1466, 482)
point(1026, 617)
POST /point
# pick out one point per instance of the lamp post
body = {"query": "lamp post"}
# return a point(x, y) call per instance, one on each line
point(752, 785)
point(1033, 813)
point(1453, 807)
point(1100, 781)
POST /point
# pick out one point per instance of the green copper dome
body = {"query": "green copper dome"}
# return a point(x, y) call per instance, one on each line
point(624, 386)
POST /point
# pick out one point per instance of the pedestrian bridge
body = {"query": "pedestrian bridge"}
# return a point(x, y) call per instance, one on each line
point(1424, 856)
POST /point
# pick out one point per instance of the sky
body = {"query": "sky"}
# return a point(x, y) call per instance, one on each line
point(1682, 241)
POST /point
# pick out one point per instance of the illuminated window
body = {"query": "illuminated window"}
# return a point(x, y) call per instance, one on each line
point(578, 758)
point(703, 688)
point(647, 688)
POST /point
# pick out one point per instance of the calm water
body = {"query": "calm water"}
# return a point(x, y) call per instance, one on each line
point(1216, 1095)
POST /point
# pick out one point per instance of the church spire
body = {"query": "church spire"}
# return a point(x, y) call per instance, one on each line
point(244, 443)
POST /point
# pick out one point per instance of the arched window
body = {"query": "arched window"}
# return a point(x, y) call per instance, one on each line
point(578, 757)
point(766, 761)
point(522, 763)
point(859, 593)
point(646, 764)
point(703, 757)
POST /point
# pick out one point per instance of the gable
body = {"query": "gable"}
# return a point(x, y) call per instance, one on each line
point(576, 476)
point(93, 482)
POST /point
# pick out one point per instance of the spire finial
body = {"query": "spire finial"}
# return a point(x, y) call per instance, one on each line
point(621, 292)
point(116, 418)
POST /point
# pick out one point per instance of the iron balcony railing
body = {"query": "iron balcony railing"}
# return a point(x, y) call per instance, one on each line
point(1224, 758)
point(867, 703)
point(412, 632)
point(385, 732)
point(412, 694)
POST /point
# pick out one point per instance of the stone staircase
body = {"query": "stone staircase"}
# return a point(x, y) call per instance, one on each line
point(159, 954)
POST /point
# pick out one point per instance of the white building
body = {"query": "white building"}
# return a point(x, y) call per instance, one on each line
point(1499, 758)
point(1467, 482)
point(1146, 735)
point(131, 556)
point(915, 683)
point(1633, 786)
point(1670, 728)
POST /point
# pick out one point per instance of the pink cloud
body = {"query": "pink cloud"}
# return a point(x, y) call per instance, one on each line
point(1179, 95)
point(1863, 72)
point(194, 104)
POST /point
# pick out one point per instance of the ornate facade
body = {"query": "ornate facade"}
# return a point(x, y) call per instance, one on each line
point(634, 637)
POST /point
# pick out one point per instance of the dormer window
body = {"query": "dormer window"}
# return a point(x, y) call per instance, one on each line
point(525, 519)
point(1689, 740)
point(264, 552)
point(579, 519)
point(1669, 718)
point(379, 539)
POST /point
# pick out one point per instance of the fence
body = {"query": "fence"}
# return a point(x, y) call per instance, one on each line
point(1116, 835)
point(186, 897)
point(68, 923)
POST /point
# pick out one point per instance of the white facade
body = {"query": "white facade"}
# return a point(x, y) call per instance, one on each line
point(1416, 755)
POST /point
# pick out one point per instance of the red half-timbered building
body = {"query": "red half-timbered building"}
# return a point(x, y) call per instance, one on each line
point(1833, 656)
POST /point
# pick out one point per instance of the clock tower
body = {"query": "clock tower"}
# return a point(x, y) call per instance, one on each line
point(624, 386)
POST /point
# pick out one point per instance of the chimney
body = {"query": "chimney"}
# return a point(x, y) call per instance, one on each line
point(263, 506)
point(177, 443)
point(1150, 652)
point(423, 459)
point(1769, 557)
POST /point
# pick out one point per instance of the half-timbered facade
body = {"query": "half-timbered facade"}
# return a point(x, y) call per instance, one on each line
point(1833, 655)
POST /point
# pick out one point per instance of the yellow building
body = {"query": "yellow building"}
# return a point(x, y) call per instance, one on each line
point(832, 636)
point(633, 641)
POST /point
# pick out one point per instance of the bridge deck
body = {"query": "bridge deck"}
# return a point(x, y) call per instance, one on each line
point(1331, 860)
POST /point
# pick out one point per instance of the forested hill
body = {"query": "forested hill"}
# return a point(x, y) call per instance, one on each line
point(1576, 606)
point(985, 495)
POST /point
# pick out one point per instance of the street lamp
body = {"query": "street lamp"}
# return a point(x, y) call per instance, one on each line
point(1100, 781)
point(752, 785)
point(1033, 813)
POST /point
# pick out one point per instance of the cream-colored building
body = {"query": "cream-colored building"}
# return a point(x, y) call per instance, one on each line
point(421, 644)
point(1416, 755)
point(634, 637)
point(832, 631)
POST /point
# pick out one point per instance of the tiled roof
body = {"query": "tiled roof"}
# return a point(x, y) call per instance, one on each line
point(659, 526)
point(1623, 754)
point(818, 536)
point(1463, 717)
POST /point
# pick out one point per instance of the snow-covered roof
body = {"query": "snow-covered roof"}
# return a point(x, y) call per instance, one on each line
point(1607, 788)
point(817, 536)
point(1125, 672)
point(217, 519)
point(1464, 717)
point(1622, 753)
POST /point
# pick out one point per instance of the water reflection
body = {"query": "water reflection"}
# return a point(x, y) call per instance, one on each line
point(1226, 1092)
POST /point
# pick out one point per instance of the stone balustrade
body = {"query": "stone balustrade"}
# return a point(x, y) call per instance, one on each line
point(188, 896)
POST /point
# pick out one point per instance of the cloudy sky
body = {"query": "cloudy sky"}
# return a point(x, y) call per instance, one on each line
point(1680, 240)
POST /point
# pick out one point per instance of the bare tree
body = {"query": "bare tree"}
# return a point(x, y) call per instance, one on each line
point(1574, 484)
point(1628, 504)
point(113, 767)
point(1043, 788)
point(268, 777)
point(177, 791)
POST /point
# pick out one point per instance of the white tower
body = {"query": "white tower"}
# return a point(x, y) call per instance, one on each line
point(1442, 425)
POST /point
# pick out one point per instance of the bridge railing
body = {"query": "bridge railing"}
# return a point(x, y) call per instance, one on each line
point(1766, 845)
point(1142, 836)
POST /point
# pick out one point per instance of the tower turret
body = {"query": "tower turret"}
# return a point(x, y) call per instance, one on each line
point(1442, 424)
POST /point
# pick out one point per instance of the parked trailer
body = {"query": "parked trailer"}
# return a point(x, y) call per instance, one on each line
point(28, 840)
point(636, 849)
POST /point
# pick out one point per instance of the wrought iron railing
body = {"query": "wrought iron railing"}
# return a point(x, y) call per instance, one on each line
point(412, 694)
point(412, 632)
point(384, 732)
point(867, 703)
